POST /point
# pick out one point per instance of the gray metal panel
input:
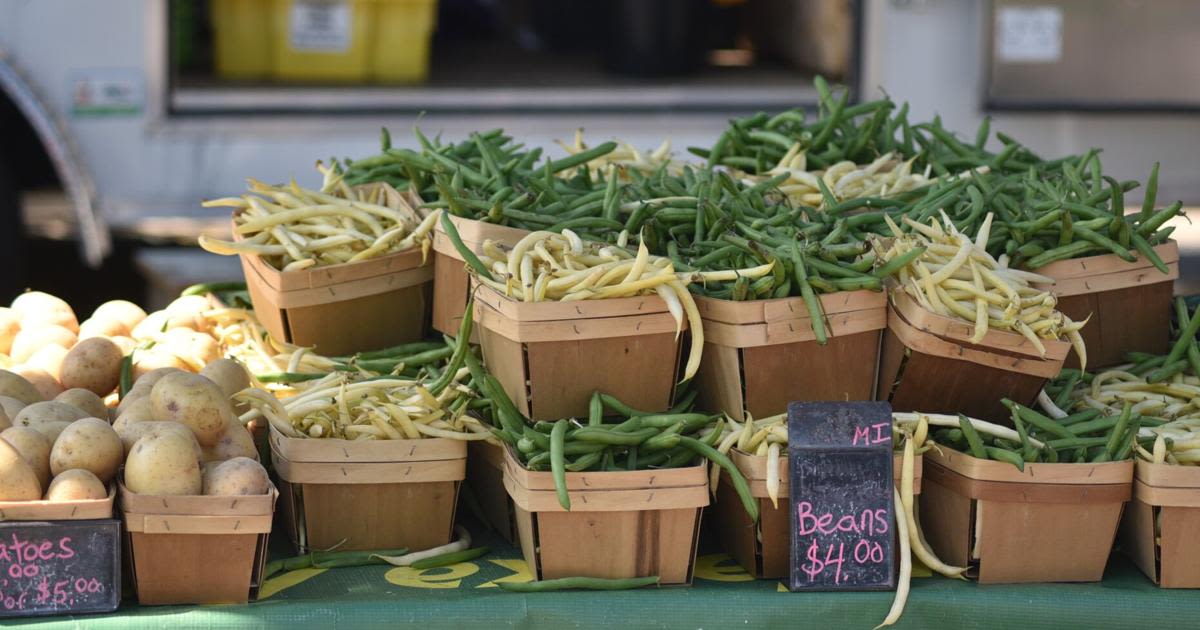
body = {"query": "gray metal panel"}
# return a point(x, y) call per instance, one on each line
point(1115, 54)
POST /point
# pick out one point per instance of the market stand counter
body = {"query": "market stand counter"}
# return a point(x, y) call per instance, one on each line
point(722, 596)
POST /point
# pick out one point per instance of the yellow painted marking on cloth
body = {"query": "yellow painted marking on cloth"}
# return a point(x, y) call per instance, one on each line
point(437, 577)
point(920, 570)
point(520, 573)
point(286, 581)
point(720, 567)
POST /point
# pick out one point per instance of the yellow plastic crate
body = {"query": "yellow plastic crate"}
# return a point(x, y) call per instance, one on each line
point(322, 40)
point(403, 29)
point(352, 40)
point(242, 38)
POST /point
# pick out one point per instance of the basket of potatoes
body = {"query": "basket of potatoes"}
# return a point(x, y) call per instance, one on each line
point(196, 502)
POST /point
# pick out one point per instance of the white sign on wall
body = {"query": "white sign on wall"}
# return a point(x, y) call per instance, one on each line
point(1029, 34)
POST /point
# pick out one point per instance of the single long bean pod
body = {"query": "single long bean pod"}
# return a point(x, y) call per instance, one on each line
point(558, 463)
point(468, 255)
point(735, 475)
point(579, 583)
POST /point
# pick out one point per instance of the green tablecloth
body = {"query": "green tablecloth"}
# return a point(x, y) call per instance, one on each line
point(722, 596)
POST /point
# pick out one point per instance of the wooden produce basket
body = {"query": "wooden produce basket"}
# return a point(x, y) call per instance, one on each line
point(762, 550)
point(83, 510)
point(761, 355)
point(1129, 303)
point(368, 494)
point(621, 524)
point(1160, 528)
point(551, 356)
point(1050, 523)
point(485, 476)
point(341, 309)
point(197, 549)
point(928, 364)
point(451, 283)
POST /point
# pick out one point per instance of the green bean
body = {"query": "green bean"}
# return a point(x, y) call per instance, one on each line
point(1002, 455)
point(468, 255)
point(1093, 426)
point(582, 157)
point(896, 264)
point(288, 377)
point(558, 463)
point(1143, 247)
point(401, 350)
point(1149, 226)
point(1118, 432)
point(1077, 442)
point(595, 410)
point(974, 442)
point(1076, 418)
point(816, 316)
point(578, 583)
point(1037, 419)
point(1106, 242)
point(389, 364)
point(1186, 337)
point(125, 380)
point(328, 560)
point(462, 346)
point(1126, 447)
point(608, 437)
point(1028, 452)
point(205, 288)
point(447, 559)
point(735, 475)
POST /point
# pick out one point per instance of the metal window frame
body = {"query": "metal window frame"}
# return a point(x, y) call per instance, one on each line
point(252, 105)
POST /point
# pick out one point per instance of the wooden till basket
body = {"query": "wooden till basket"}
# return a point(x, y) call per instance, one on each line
point(551, 356)
point(197, 549)
point(763, 354)
point(621, 524)
point(1169, 496)
point(1050, 523)
point(762, 550)
point(368, 494)
point(346, 308)
point(82, 510)
point(451, 284)
point(928, 364)
point(1129, 303)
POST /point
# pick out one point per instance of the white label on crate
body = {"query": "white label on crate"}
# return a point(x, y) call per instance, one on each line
point(1029, 34)
point(319, 26)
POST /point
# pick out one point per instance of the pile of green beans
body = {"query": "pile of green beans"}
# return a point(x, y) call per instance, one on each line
point(615, 437)
point(1042, 217)
point(491, 178)
point(1085, 436)
point(707, 217)
point(485, 157)
point(859, 133)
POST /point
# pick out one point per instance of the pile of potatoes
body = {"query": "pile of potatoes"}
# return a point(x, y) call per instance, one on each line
point(175, 433)
point(42, 340)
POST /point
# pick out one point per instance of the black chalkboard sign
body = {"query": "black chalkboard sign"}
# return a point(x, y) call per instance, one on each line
point(59, 568)
point(842, 513)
